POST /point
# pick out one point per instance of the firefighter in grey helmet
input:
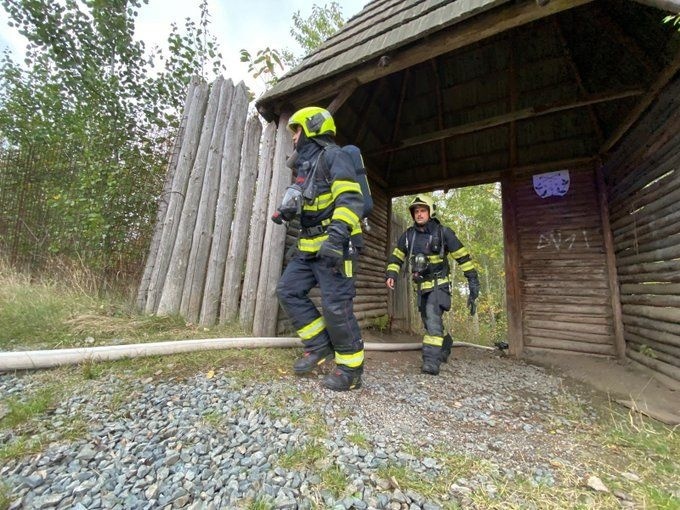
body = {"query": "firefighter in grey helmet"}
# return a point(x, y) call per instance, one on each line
point(329, 208)
point(425, 247)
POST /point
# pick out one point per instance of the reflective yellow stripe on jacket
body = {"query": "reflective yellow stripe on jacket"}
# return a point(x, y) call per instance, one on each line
point(311, 244)
point(429, 284)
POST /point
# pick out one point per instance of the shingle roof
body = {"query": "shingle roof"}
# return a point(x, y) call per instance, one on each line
point(381, 26)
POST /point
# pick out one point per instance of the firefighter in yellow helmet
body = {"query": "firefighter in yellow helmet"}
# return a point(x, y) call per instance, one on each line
point(329, 204)
point(425, 247)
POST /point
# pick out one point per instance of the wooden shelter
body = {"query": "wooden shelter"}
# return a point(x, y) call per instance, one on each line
point(573, 105)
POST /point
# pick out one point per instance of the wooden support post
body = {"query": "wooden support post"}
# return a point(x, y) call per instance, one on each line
point(176, 201)
point(608, 238)
point(171, 296)
point(165, 198)
point(512, 266)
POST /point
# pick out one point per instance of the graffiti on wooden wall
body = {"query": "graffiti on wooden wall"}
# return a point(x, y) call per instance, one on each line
point(557, 240)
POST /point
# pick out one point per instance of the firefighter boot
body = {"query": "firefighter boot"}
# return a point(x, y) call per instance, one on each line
point(310, 360)
point(342, 381)
point(432, 356)
point(446, 347)
point(431, 366)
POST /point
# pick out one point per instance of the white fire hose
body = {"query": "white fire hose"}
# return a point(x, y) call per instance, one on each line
point(28, 360)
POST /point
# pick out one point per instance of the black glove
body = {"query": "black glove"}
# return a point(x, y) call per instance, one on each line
point(330, 255)
point(331, 251)
point(473, 287)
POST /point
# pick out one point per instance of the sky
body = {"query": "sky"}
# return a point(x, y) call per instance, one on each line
point(236, 24)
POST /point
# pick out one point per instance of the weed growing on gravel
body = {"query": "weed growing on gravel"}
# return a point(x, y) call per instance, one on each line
point(20, 412)
point(25, 422)
point(260, 503)
point(4, 496)
point(21, 446)
point(334, 480)
point(304, 457)
point(358, 438)
point(90, 369)
point(405, 478)
point(213, 419)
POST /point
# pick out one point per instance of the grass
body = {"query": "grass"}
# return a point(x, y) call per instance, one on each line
point(21, 412)
point(24, 420)
point(306, 456)
point(5, 499)
point(68, 311)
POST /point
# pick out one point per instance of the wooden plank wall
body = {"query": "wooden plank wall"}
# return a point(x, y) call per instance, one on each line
point(643, 180)
point(564, 288)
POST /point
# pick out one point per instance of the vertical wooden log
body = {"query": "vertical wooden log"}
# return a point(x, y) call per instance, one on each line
point(399, 300)
point(190, 307)
point(615, 295)
point(258, 222)
point(512, 264)
point(225, 206)
point(267, 305)
point(164, 198)
point(231, 287)
point(176, 201)
point(171, 296)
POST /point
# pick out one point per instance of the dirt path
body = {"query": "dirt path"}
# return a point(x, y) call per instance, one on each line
point(615, 380)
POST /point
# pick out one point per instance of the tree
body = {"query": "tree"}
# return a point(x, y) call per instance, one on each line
point(101, 111)
point(270, 63)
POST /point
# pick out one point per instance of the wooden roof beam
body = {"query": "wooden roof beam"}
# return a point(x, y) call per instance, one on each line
point(614, 30)
point(664, 77)
point(579, 81)
point(476, 178)
point(499, 120)
point(397, 120)
point(342, 96)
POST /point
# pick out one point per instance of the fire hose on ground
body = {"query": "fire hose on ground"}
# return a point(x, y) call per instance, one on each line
point(30, 360)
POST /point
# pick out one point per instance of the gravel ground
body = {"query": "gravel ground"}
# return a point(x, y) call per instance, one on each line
point(217, 442)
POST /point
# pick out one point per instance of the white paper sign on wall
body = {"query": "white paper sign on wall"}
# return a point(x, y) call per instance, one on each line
point(552, 184)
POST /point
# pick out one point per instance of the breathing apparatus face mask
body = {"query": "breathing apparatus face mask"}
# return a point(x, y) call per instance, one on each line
point(419, 265)
point(291, 204)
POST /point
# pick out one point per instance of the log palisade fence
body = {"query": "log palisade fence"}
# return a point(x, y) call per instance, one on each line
point(215, 256)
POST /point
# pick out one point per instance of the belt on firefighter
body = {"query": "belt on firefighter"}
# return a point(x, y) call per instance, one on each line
point(316, 230)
